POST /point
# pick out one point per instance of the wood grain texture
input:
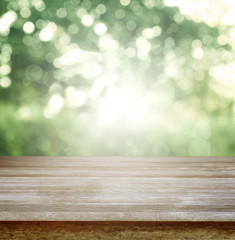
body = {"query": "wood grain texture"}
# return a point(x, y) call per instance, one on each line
point(117, 189)
point(117, 230)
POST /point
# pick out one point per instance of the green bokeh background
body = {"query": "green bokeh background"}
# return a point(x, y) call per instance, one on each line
point(188, 112)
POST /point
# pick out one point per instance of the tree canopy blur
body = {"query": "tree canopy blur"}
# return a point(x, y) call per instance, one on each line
point(121, 77)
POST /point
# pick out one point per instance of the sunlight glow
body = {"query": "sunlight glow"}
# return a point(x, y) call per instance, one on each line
point(54, 106)
point(107, 43)
point(143, 47)
point(122, 104)
point(74, 97)
point(225, 82)
point(211, 12)
point(77, 61)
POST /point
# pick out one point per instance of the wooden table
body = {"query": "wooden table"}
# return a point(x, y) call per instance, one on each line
point(117, 197)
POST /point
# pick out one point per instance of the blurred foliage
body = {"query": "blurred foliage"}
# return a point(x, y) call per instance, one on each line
point(113, 78)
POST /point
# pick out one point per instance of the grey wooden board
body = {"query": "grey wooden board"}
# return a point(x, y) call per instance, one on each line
point(117, 188)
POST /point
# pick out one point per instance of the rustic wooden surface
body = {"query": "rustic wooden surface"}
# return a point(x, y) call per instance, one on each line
point(117, 230)
point(117, 189)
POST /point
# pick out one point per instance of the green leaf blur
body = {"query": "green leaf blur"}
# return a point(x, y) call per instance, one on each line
point(113, 78)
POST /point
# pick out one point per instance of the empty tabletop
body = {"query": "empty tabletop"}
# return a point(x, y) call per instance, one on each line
point(117, 188)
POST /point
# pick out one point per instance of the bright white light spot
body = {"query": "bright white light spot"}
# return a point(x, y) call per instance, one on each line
point(87, 20)
point(78, 55)
point(121, 104)
point(72, 57)
point(54, 106)
point(100, 84)
point(157, 31)
point(225, 82)
point(143, 47)
point(10, 16)
point(6, 21)
point(224, 74)
point(125, 2)
point(47, 33)
point(100, 29)
point(57, 63)
point(5, 82)
point(78, 61)
point(5, 69)
point(232, 34)
point(171, 70)
point(228, 11)
point(75, 98)
point(107, 43)
point(148, 33)
point(28, 27)
point(171, 3)
point(56, 101)
point(198, 53)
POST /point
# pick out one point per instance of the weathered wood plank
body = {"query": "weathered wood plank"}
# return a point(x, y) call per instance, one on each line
point(117, 188)
point(117, 230)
